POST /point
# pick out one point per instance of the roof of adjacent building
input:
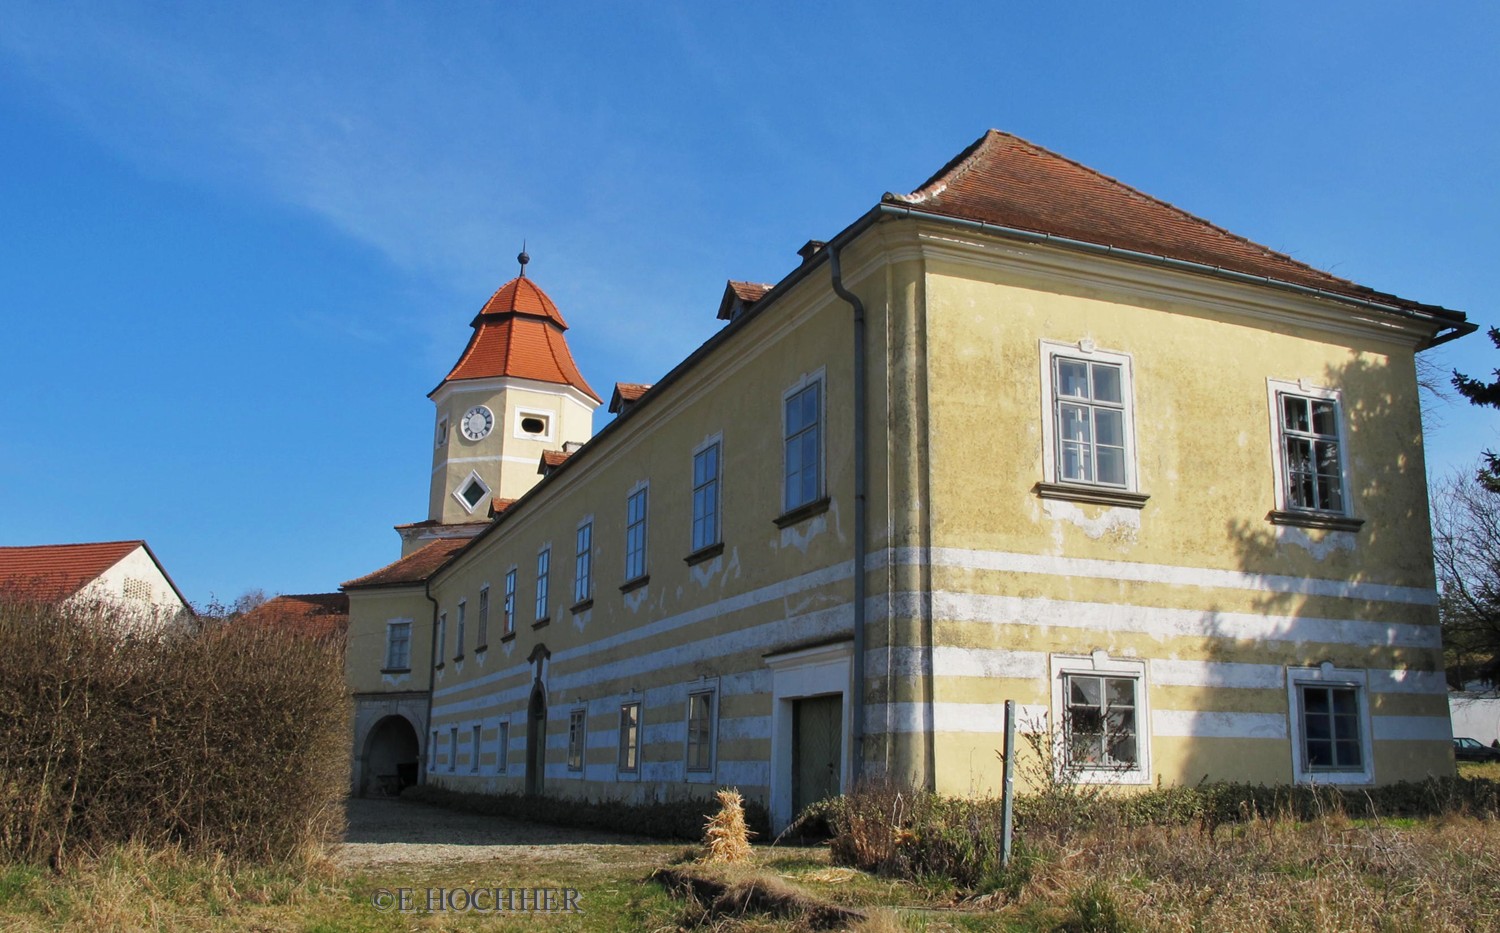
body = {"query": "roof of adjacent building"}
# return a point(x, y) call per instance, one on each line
point(318, 615)
point(57, 571)
point(519, 332)
point(1006, 181)
point(414, 567)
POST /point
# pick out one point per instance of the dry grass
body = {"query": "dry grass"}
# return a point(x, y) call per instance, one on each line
point(726, 838)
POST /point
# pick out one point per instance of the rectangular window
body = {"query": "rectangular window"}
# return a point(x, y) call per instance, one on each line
point(453, 748)
point(803, 462)
point(1311, 462)
point(1100, 723)
point(700, 732)
point(635, 535)
point(630, 737)
point(397, 646)
point(484, 618)
point(1331, 728)
point(502, 749)
point(576, 730)
point(543, 563)
point(432, 752)
point(442, 433)
point(510, 602)
point(458, 632)
point(1088, 399)
point(474, 752)
point(583, 563)
point(706, 497)
point(442, 639)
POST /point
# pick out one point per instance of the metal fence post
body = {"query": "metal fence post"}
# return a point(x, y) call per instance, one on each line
point(1008, 789)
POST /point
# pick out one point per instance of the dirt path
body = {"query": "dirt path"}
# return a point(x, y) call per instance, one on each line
point(385, 832)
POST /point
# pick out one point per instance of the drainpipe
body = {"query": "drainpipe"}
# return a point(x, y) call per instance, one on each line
point(429, 754)
point(861, 485)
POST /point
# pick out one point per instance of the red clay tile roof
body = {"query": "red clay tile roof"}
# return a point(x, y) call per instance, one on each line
point(436, 523)
point(57, 571)
point(519, 332)
point(625, 395)
point(498, 505)
point(414, 567)
point(552, 459)
point(1007, 181)
point(318, 615)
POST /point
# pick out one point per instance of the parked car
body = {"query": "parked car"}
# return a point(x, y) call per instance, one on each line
point(1467, 749)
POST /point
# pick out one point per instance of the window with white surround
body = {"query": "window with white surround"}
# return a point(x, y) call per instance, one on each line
point(483, 638)
point(583, 563)
point(577, 729)
point(442, 639)
point(398, 646)
point(543, 573)
point(432, 752)
point(1312, 473)
point(442, 433)
point(630, 738)
point(635, 535)
point(700, 731)
point(471, 492)
point(533, 425)
point(1100, 708)
point(1331, 728)
point(510, 602)
point(802, 447)
point(706, 497)
point(474, 751)
point(502, 748)
point(453, 748)
point(458, 631)
point(1088, 425)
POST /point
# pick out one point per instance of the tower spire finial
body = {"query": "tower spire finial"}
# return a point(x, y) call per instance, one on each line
point(523, 259)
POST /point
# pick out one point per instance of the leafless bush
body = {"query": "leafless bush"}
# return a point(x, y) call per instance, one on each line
point(215, 739)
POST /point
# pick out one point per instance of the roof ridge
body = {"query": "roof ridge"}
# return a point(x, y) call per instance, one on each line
point(953, 170)
point(33, 547)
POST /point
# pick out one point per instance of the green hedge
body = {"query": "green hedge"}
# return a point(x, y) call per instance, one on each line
point(673, 819)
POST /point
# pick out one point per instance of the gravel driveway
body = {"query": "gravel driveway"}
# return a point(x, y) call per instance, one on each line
point(386, 831)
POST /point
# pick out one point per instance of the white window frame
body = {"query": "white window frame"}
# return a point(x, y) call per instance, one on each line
point(543, 583)
point(1085, 351)
point(441, 440)
point(458, 491)
point(622, 745)
point(578, 740)
point(1275, 388)
point(583, 561)
point(1326, 675)
point(704, 772)
point(502, 742)
point(482, 638)
point(474, 749)
point(460, 623)
point(442, 639)
point(716, 444)
point(548, 417)
point(510, 601)
point(821, 491)
point(1100, 664)
point(635, 570)
point(391, 627)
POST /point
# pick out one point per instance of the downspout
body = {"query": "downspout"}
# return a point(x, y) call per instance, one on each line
point(432, 650)
point(861, 484)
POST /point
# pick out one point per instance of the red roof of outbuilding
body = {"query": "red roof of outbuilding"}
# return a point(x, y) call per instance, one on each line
point(1007, 181)
point(57, 571)
point(317, 615)
point(519, 332)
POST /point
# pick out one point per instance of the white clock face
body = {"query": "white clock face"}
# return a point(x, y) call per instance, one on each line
point(477, 422)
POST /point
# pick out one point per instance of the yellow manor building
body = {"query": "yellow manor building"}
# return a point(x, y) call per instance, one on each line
point(1023, 434)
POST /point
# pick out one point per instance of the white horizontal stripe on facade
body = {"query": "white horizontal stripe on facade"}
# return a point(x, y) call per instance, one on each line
point(1048, 565)
point(987, 718)
point(1401, 681)
point(1413, 728)
point(1169, 623)
point(1203, 724)
point(1217, 674)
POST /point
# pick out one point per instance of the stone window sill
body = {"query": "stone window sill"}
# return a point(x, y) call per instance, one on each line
point(395, 670)
point(802, 513)
point(1314, 520)
point(1098, 495)
point(637, 583)
point(508, 636)
point(543, 622)
point(582, 606)
point(704, 553)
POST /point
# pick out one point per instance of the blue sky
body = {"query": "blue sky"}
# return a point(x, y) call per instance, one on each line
point(240, 244)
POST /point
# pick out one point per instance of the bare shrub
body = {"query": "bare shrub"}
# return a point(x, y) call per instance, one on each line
point(214, 739)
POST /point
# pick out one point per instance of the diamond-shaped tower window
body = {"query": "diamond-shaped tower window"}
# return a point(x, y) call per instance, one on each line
point(472, 492)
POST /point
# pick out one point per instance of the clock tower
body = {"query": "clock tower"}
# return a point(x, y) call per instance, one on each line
point(514, 393)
